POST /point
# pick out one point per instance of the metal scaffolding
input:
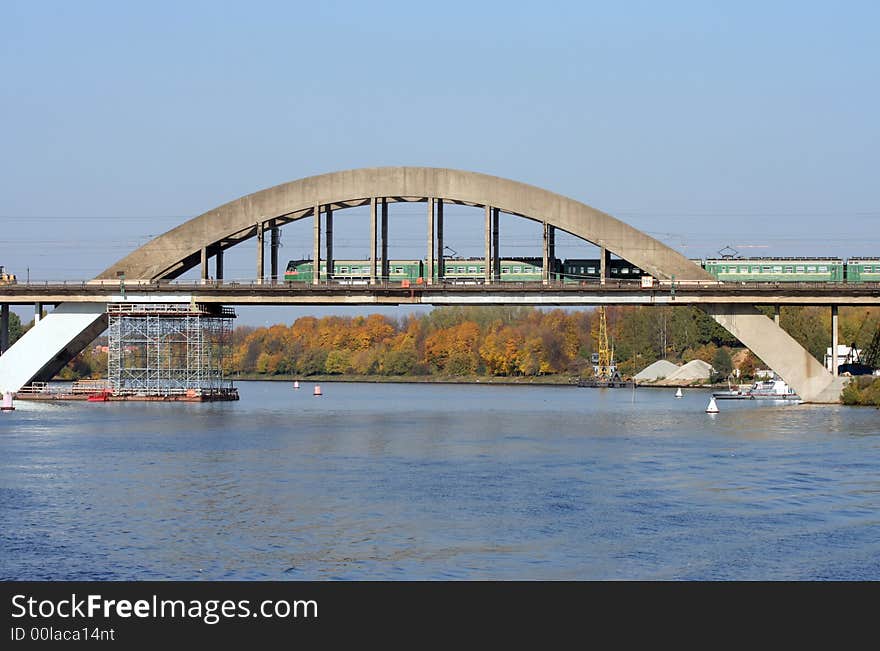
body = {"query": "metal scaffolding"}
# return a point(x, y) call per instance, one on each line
point(168, 349)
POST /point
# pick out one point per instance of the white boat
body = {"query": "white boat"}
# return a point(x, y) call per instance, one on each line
point(774, 389)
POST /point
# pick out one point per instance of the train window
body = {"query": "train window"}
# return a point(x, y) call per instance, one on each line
point(624, 270)
point(799, 269)
point(789, 270)
point(811, 269)
point(343, 270)
point(482, 270)
point(591, 270)
point(517, 270)
point(823, 268)
point(505, 270)
point(777, 269)
point(582, 270)
point(868, 269)
point(398, 270)
point(765, 270)
point(472, 270)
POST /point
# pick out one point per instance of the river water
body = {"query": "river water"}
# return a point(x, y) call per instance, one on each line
point(421, 481)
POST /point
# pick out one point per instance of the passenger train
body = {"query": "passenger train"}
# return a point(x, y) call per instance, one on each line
point(576, 270)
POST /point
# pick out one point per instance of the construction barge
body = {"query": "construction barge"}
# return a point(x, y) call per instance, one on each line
point(99, 391)
point(156, 352)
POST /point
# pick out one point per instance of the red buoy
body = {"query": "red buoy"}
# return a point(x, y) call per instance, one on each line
point(317, 391)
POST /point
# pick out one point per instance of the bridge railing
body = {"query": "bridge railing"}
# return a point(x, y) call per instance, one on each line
point(268, 284)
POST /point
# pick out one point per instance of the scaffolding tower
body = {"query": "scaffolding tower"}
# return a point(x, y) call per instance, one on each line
point(169, 349)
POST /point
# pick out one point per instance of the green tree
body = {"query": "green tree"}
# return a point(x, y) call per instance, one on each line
point(722, 364)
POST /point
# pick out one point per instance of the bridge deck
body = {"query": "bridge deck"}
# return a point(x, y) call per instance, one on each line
point(236, 293)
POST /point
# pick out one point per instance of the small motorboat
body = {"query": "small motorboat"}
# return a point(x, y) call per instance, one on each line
point(775, 389)
point(101, 396)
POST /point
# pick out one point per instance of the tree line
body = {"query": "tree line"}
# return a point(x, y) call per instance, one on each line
point(502, 342)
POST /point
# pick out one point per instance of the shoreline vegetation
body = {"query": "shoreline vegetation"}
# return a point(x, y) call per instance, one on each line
point(546, 380)
point(863, 391)
point(507, 345)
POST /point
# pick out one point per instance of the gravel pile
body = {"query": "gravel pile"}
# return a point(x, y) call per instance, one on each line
point(696, 369)
point(658, 370)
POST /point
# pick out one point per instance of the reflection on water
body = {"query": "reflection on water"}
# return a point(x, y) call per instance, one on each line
point(440, 482)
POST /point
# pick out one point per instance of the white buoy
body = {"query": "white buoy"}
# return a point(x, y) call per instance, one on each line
point(712, 408)
point(317, 391)
point(296, 384)
point(678, 393)
point(7, 402)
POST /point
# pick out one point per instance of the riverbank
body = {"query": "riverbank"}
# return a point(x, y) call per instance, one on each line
point(541, 380)
point(411, 379)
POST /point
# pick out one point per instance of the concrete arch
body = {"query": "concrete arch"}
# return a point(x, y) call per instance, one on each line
point(178, 250)
point(62, 334)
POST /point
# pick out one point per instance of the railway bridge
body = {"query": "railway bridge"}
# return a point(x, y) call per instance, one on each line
point(150, 273)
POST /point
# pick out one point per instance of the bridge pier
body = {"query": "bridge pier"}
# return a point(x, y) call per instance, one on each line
point(779, 350)
point(4, 327)
point(776, 314)
point(38, 312)
point(834, 319)
point(218, 263)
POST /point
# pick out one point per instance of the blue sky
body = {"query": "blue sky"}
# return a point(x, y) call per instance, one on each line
point(706, 124)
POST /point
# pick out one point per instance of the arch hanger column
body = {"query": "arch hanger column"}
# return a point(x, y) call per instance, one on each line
point(316, 245)
point(261, 267)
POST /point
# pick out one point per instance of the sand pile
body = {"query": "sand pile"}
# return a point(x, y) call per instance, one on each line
point(660, 369)
point(696, 369)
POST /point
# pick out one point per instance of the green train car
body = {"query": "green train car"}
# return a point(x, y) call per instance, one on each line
point(473, 270)
point(776, 270)
point(588, 270)
point(863, 270)
point(353, 271)
point(455, 270)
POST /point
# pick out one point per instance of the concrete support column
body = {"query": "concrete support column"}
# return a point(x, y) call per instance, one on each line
point(496, 254)
point(218, 263)
point(441, 268)
point(776, 314)
point(328, 222)
point(834, 340)
point(386, 269)
point(274, 243)
point(316, 246)
point(551, 244)
point(4, 327)
point(261, 267)
point(373, 240)
point(38, 312)
point(604, 267)
point(429, 261)
point(545, 259)
point(204, 264)
point(488, 274)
